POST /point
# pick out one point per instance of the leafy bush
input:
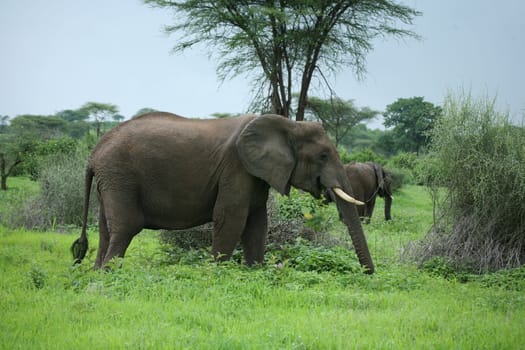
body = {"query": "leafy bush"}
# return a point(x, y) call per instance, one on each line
point(480, 158)
point(404, 160)
point(366, 155)
point(48, 149)
point(61, 198)
point(303, 255)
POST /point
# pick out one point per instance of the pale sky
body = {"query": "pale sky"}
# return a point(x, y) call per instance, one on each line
point(59, 54)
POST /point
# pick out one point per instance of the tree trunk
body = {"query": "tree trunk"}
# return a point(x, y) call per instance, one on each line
point(4, 183)
point(3, 174)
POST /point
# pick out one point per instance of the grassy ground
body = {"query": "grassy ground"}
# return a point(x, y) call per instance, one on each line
point(148, 304)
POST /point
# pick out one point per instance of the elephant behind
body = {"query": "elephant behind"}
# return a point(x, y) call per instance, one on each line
point(161, 170)
point(368, 181)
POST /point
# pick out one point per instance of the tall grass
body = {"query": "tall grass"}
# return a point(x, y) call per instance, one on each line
point(480, 158)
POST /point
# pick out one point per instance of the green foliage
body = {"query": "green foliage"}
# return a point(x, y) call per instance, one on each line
point(361, 137)
point(45, 151)
point(366, 155)
point(143, 111)
point(99, 113)
point(412, 120)
point(404, 160)
point(38, 127)
point(305, 256)
point(38, 277)
point(60, 200)
point(313, 217)
point(479, 155)
point(200, 304)
point(337, 116)
point(287, 41)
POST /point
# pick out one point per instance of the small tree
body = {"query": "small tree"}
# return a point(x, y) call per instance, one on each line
point(99, 112)
point(337, 116)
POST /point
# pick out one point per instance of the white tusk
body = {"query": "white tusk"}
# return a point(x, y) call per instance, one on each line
point(344, 196)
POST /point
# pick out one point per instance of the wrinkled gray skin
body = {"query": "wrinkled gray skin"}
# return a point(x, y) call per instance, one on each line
point(165, 171)
point(370, 180)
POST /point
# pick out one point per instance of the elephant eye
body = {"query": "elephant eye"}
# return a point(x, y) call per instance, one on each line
point(323, 156)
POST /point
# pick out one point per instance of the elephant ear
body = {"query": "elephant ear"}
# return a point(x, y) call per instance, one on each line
point(380, 180)
point(266, 151)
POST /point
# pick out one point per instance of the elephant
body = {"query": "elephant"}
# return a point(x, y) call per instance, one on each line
point(164, 171)
point(368, 181)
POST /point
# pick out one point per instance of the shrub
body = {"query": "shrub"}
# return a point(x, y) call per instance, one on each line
point(366, 155)
point(48, 149)
point(480, 157)
point(404, 160)
point(61, 198)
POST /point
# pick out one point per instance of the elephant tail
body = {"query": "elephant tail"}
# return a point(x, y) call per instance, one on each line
point(80, 246)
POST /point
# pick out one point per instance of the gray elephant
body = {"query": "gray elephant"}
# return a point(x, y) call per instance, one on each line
point(370, 180)
point(165, 171)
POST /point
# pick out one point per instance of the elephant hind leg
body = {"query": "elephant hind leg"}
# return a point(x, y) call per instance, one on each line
point(103, 241)
point(120, 222)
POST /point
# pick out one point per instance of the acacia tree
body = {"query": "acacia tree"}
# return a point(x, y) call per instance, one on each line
point(337, 116)
point(286, 42)
point(99, 112)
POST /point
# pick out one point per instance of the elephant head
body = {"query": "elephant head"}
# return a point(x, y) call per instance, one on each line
point(285, 153)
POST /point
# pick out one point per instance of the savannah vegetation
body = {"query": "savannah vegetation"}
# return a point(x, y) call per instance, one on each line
point(169, 293)
point(449, 265)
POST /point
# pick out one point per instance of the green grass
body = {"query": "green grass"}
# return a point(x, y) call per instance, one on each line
point(147, 304)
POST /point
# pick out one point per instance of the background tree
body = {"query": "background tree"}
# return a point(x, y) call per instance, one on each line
point(412, 120)
point(286, 42)
point(118, 118)
point(4, 122)
point(143, 111)
point(337, 116)
point(220, 115)
point(38, 127)
point(76, 119)
point(73, 115)
point(99, 112)
point(12, 150)
point(19, 139)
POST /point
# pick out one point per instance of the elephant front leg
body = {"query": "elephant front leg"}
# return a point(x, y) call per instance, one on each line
point(228, 224)
point(254, 236)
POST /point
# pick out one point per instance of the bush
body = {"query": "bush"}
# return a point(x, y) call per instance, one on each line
point(61, 198)
point(480, 157)
point(366, 155)
point(48, 149)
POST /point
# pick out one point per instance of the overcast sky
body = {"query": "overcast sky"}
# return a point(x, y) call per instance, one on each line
point(59, 54)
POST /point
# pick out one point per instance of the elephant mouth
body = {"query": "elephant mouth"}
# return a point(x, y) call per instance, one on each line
point(338, 191)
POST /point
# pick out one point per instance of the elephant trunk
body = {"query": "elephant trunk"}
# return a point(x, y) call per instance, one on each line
point(348, 214)
point(388, 205)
